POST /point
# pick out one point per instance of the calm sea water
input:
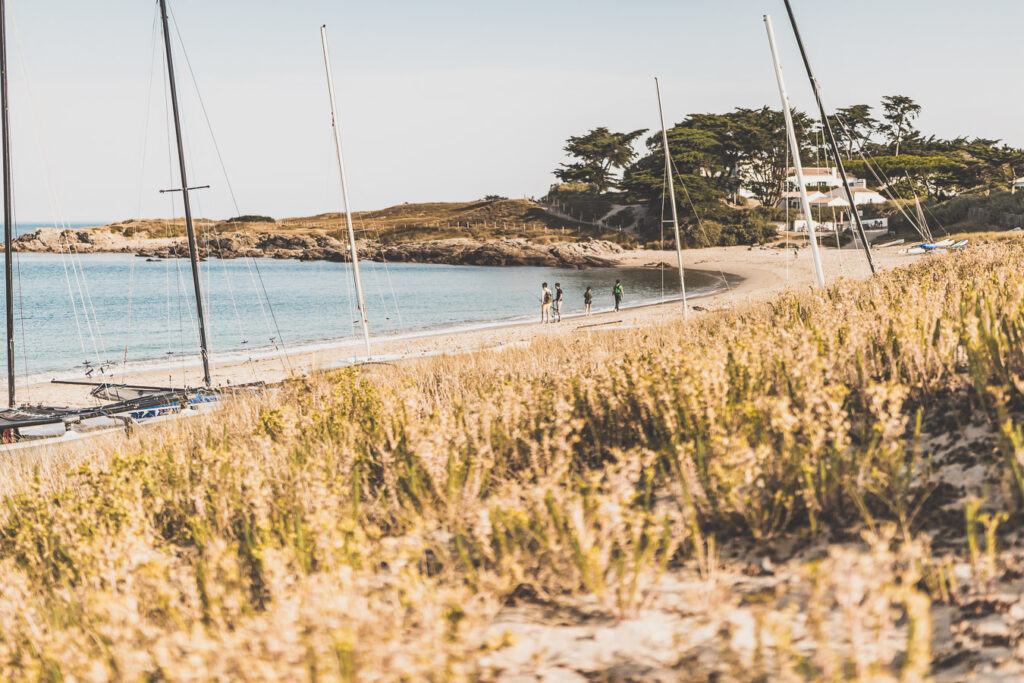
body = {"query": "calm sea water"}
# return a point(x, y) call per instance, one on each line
point(103, 309)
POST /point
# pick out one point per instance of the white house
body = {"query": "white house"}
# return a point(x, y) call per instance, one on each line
point(816, 177)
point(861, 196)
point(833, 198)
point(822, 177)
point(1018, 185)
point(792, 199)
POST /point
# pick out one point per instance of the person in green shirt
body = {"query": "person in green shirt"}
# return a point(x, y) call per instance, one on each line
point(617, 292)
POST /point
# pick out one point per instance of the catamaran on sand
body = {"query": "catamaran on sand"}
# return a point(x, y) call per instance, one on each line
point(126, 404)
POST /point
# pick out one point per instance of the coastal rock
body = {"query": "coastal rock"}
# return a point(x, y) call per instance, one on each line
point(323, 247)
point(54, 240)
point(506, 252)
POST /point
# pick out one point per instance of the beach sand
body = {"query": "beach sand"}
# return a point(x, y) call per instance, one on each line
point(763, 272)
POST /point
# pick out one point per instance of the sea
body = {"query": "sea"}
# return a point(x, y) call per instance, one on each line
point(93, 314)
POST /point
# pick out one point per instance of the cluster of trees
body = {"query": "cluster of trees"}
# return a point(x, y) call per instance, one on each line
point(715, 155)
point(905, 162)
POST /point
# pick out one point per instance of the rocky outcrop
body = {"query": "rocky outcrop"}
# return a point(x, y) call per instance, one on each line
point(507, 252)
point(53, 240)
point(317, 247)
point(322, 247)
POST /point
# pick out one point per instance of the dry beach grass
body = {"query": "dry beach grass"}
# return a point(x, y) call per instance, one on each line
point(816, 486)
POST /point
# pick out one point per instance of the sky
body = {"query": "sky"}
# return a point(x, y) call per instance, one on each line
point(446, 100)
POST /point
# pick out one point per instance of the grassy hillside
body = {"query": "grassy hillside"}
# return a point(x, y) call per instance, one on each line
point(823, 486)
point(412, 222)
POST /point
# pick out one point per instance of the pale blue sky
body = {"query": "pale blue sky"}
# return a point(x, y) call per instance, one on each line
point(452, 99)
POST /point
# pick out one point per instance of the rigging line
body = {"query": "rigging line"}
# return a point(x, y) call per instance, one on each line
point(75, 270)
point(373, 268)
point(259, 299)
point(231, 290)
point(661, 228)
point(71, 294)
point(21, 304)
point(170, 202)
point(835, 227)
point(391, 287)
point(920, 214)
point(231, 192)
point(283, 348)
point(142, 173)
point(387, 275)
point(128, 326)
point(785, 180)
point(347, 277)
point(884, 185)
point(92, 307)
point(839, 245)
point(700, 224)
point(43, 153)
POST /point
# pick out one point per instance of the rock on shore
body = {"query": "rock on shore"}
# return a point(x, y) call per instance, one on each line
point(318, 246)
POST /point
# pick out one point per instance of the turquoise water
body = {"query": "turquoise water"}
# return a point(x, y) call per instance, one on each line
point(101, 310)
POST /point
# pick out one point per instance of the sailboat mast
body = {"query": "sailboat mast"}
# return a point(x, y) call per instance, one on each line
point(672, 201)
point(8, 217)
point(794, 145)
point(193, 253)
point(831, 139)
point(344, 194)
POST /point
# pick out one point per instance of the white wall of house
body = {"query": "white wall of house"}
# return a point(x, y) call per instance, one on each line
point(823, 177)
point(815, 177)
point(861, 196)
point(792, 199)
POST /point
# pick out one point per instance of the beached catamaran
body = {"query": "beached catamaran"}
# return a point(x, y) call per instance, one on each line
point(128, 403)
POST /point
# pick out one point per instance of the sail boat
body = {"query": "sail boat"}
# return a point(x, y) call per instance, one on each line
point(129, 403)
point(32, 422)
point(180, 398)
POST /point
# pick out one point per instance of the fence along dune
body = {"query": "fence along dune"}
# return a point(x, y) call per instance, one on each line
point(375, 523)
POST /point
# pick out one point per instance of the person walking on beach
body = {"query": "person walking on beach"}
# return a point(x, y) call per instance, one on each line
point(558, 301)
point(545, 304)
point(617, 292)
point(588, 300)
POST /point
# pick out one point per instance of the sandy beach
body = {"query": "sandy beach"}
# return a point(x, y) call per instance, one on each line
point(761, 272)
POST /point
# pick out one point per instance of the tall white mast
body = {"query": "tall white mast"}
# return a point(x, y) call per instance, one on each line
point(795, 146)
point(344, 194)
point(672, 201)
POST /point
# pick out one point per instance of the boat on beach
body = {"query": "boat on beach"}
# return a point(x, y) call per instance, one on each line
point(123, 405)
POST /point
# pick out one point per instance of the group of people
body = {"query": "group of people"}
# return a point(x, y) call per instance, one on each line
point(551, 302)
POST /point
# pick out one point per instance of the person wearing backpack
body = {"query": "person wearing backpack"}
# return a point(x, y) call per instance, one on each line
point(617, 292)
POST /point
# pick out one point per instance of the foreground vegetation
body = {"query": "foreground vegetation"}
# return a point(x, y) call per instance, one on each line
point(823, 486)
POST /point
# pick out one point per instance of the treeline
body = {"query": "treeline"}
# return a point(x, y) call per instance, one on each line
point(721, 159)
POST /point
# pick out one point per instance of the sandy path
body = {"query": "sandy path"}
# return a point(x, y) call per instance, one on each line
point(765, 272)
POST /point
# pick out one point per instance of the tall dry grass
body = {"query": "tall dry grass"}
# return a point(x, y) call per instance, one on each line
point(368, 523)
